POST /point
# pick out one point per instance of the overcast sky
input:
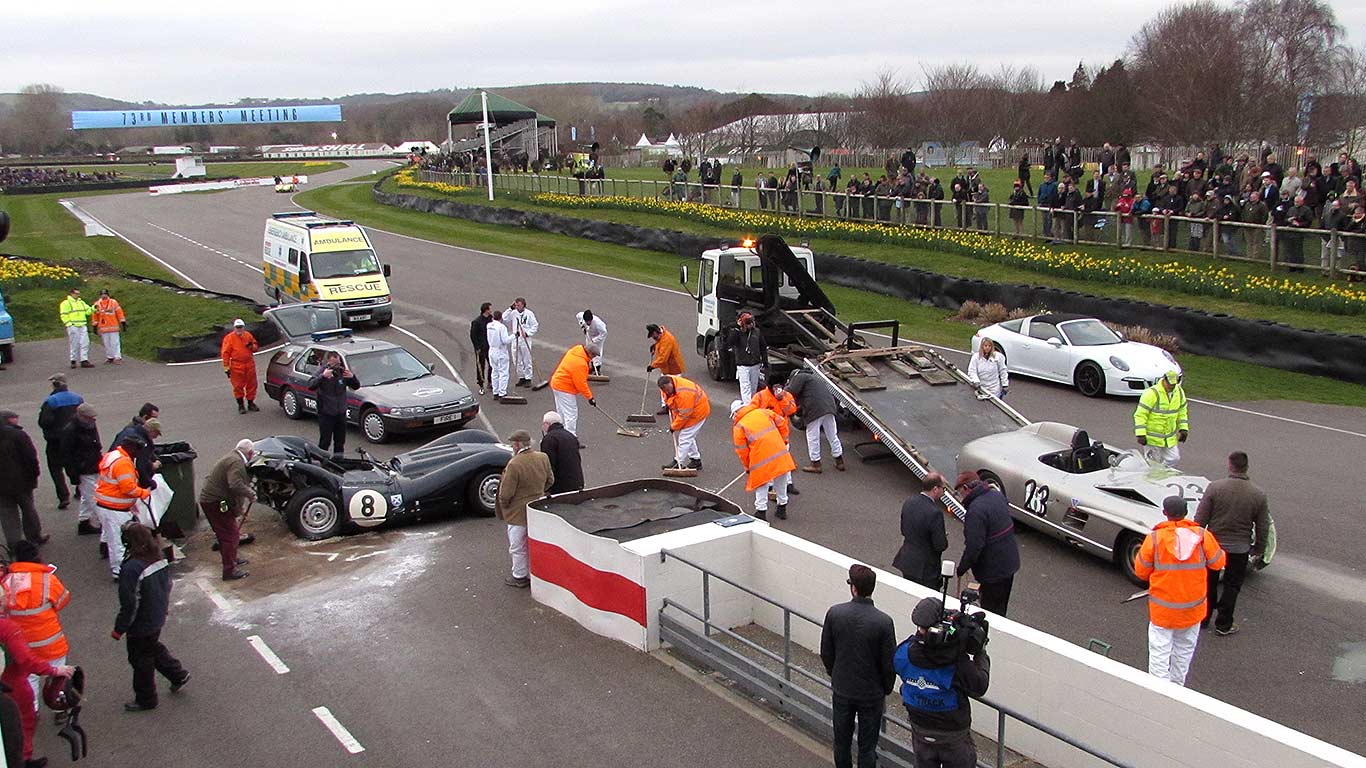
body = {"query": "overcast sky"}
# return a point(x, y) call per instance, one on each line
point(171, 51)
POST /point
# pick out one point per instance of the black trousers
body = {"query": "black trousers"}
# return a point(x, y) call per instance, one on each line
point(954, 751)
point(148, 656)
point(481, 360)
point(1222, 596)
point(13, 729)
point(332, 432)
point(868, 713)
point(58, 473)
point(996, 595)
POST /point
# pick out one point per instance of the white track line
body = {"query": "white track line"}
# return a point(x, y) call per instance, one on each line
point(338, 730)
point(209, 248)
point(193, 283)
point(220, 602)
point(266, 653)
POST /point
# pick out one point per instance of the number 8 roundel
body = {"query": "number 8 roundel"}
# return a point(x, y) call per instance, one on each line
point(368, 508)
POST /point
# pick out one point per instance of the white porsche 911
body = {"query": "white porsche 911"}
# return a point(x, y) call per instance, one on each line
point(1077, 350)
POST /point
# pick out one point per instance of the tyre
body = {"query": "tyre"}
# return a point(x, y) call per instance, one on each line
point(277, 295)
point(314, 514)
point(1126, 549)
point(289, 403)
point(1089, 379)
point(373, 427)
point(713, 355)
point(6, 354)
point(481, 492)
point(990, 478)
point(385, 321)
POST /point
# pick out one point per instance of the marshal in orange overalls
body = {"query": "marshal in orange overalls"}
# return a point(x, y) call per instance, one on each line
point(239, 364)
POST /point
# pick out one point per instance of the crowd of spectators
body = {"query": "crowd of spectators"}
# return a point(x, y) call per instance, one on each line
point(40, 177)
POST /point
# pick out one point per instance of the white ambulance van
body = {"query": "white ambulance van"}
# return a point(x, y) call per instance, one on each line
point(308, 257)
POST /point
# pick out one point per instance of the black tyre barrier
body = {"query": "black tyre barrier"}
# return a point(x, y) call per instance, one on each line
point(1259, 342)
point(43, 189)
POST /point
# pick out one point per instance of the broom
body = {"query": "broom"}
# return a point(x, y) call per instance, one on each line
point(643, 417)
point(621, 428)
point(679, 471)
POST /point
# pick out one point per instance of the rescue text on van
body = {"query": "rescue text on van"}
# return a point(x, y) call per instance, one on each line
point(308, 257)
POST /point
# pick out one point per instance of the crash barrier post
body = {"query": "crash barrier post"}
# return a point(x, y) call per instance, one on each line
point(813, 709)
point(1154, 231)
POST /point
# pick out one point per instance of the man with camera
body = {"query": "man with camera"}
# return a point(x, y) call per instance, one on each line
point(331, 383)
point(941, 666)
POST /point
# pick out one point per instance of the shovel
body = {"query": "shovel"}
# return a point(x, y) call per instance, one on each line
point(621, 428)
point(643, 417)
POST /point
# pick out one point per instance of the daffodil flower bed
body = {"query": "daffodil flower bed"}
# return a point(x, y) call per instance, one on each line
point(21, 273)
point(408, 178)
point(1123, 270)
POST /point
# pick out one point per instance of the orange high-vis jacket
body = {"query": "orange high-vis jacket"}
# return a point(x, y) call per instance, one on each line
point(688, 405)
point(760, 438)
point(571, 375)
point(117, 487)
point(667, 357)
point(784, 407)
point(108, 316)
point(1176, 559)
point(33, 596)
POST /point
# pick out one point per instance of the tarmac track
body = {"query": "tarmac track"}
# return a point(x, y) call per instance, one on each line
point(1299, 618)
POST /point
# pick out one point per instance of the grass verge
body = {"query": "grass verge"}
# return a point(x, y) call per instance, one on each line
point(1207, 377)
point(156, 316)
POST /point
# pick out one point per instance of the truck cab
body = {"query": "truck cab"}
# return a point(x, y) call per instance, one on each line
point(771, 280)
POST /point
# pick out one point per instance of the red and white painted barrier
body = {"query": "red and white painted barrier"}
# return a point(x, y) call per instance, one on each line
point(210, 186)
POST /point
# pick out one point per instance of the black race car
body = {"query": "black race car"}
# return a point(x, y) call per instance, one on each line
point(320, 494)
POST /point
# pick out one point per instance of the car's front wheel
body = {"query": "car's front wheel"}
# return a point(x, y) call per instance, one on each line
point(1090, 379)
point(314, 514)
point(289, 403)
point(1126, 550)
point(373, 427)
point(482, 492)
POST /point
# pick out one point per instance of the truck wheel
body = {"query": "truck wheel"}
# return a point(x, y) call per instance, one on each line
point(713, 355)
point(6, 354)
point(372, 426)
point(313, 514)
point(385, 321)
point(289, 403)
point(481, 492)
point(1126, 549)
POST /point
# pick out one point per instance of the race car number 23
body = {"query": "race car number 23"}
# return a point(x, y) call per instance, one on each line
point(1036, 497)
point(368, 508)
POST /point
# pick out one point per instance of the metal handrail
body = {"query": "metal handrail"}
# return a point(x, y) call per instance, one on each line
point(1003, 712)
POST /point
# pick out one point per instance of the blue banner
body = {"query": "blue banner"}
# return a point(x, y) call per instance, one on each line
point(167, 117)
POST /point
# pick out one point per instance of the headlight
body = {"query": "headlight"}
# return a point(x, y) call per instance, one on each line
point(404, 411)
point(1118, 363)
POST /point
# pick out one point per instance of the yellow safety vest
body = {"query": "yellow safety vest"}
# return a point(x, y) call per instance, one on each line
point(1160, 417)
point(74, 312)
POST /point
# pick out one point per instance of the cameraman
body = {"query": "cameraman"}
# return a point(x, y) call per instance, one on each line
point(941, 666)
point(331, 382)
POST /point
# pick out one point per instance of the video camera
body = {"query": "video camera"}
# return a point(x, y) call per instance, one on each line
point(960, 626)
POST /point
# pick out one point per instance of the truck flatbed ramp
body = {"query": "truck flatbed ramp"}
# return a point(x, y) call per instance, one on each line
point(917, 404)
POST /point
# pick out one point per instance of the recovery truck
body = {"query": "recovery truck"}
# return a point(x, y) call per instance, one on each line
point(920, 408)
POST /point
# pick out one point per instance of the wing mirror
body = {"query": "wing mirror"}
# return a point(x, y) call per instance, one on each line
point(431, 367)
point(684, 281)
point(1055, 342)
point(386, 270)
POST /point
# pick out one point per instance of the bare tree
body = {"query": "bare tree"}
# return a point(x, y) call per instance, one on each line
point(1014, 99)
point(955, 105)
point(38, 123)
point(1188, 66)
point(1298, 42)
point(885, 119)
point(1337, 117)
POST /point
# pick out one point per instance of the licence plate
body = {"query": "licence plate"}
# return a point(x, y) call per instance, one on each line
point(360, 317)
point(448, 418)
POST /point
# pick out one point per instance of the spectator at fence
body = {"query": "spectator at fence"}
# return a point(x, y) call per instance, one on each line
point(819, 191)
point(1093, 200)
point(1048, 193)
point(1195, 209)
point(1018, 202)
point(759, 183)
point(1299, 216)
point(1226, 214)
point(936, 195)
point(866, 189)
point(1125, 208)
point(883, 191)
point(1255, 212)
point(737, 181)
point(1355, 242)
point(1172, 204)
point(960, 198)
point(981, 198)
point(1022, 174)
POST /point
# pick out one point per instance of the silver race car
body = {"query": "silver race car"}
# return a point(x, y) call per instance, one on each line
point(1099, 498)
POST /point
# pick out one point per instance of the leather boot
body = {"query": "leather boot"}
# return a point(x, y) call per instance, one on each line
point(839, 463)
point(762, 514)
point(814, 467)
point(241, 405)
point(781, 512)
point(251, 405)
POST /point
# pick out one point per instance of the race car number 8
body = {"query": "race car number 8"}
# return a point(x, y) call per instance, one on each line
point(368, 508)
point(1036, 498)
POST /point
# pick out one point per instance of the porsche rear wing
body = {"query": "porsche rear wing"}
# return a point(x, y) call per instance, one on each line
point(918, 405)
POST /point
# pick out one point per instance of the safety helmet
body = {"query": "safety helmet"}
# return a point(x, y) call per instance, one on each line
point(735, 407)
point(61, 692)
point(1172, 377)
